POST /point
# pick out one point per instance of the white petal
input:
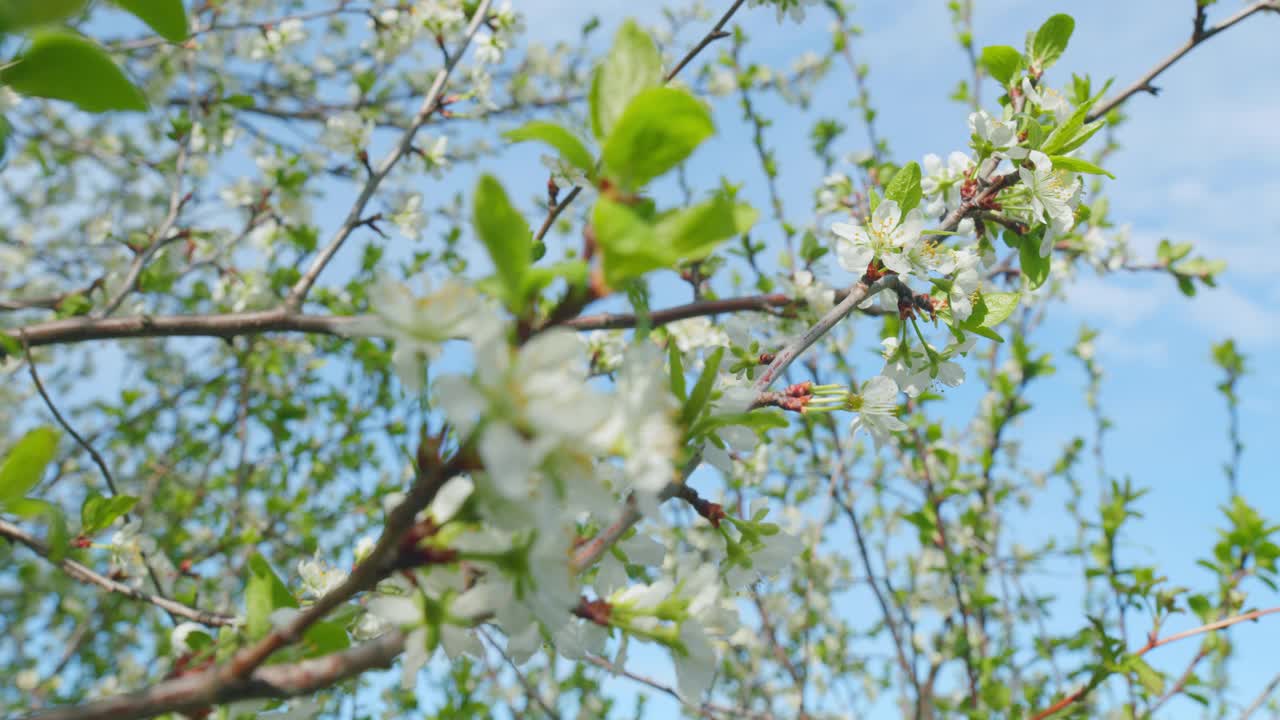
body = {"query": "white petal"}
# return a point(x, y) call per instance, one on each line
point(880, 389)
point(415, 656)
point(450, 498)
point(395, 609)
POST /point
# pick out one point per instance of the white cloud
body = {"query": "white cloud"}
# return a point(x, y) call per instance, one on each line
point(1223, 312)
point(1107, 300)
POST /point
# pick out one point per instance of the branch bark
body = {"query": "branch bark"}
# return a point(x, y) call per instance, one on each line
point(199, 691)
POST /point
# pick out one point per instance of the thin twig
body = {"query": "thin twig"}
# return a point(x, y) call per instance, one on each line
point(85, 575)
point(1153, 643)
point(355, 215)
point(1262, 697)
point(1143, 84)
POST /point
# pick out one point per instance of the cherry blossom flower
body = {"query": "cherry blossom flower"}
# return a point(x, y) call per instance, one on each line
point(887, 235)
point(876, 406)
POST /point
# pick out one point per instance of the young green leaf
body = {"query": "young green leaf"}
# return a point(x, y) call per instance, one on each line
point(657, 131)
point(1077, 165)
point(904, 188)
point(25, 464)
point(1000, 62)
point(505, 235)
point(633, 65)
point(566, 143)
point(18, 15)
point(65, 66)
point(694, 232)
point(166, 17)
point(628, 242)
point(675, 365)
point(1034, 267)
point(1000, 305)
point(264, 594)
point(1073, 132)
point(1050, 41)
point(702, 389)
point(98, 512)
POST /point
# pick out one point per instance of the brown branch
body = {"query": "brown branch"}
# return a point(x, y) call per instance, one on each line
point(1153, 643)
point(355, 215)
point(1198, 36)
point(717, 32)
point(229, 325)
point(382, 560)
point(196, 692)
point(85, 575)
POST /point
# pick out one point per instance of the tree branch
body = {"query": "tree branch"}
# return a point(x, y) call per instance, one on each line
point(85, 575)
point(77, 330)
point(355, 216)
point(201, 690)
point(1153, 643)
point(1198, 36)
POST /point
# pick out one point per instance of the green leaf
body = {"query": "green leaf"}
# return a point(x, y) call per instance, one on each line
point(675, 365)
point(1200, 267)
point(1063, 162)
point(17, 15)
point(26, 463)
point(657, 131)
point(506, 236)
point(756, 419)
point(1034, 267)
point(574, 272)
point(1073, 132)
point(1151, 680)
point(633, 65)
point(904, 188)
point(1051, 40)
point(1000, 305)
point(628, 242)
point(702, 389)
point(65, 66)
point(633, 244)
point(986, 332)
point(199, 641)
point(98, 512)
point(325, 637)
point(74, 305)
point(166, 17)
point(264, 594)
point(239, 101)
point(694, 232)
point(564, 142)
point(1001, 62)
point(55, 523)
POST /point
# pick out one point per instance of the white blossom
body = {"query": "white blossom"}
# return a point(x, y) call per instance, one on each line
point(887, 235)
point(1052, 194)
point(347, 132)
point(877, 406)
